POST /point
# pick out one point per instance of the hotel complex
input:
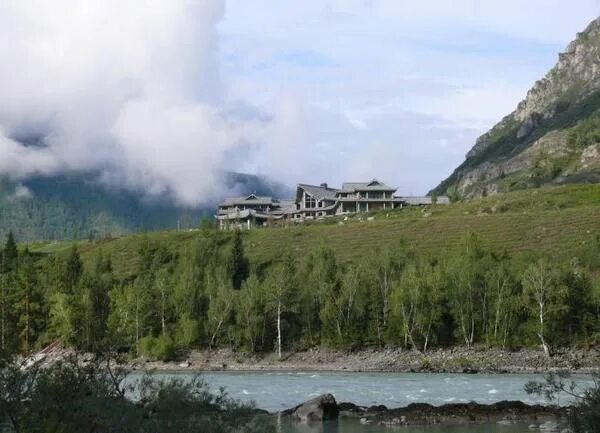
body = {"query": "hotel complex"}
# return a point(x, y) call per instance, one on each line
point(315, 202)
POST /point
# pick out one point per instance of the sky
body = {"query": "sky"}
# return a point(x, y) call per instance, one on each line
point(163, 98)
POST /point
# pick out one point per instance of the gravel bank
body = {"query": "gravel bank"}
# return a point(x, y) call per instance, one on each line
point(476, 360)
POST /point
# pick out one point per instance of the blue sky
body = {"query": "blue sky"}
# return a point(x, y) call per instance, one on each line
point(392, 89)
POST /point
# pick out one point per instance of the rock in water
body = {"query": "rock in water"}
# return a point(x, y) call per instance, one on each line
point(319, 408)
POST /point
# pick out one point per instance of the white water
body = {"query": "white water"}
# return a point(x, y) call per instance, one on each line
point(276, 391)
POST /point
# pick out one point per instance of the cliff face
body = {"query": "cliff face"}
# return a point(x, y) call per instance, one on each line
point(551, 137)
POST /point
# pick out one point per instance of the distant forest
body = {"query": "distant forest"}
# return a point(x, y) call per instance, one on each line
point(78, 206)
point(208, 296)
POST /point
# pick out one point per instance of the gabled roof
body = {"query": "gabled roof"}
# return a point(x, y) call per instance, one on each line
point(252, 199)
point(373, 185)
point(318, 192)
point(283, 207)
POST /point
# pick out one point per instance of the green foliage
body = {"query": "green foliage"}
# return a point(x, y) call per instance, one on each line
point(586, 132)
point(238, 261)
point(76, 207)
point(585, 415)
point(546, 299)
point(350, 286)
point(73, 270)
point(251, 314)
point(71, 396)
point(544, 169)
point(159, 348)
point(10, 254)
point(29, 305)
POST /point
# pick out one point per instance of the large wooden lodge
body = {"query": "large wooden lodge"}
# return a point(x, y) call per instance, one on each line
point(314, 202)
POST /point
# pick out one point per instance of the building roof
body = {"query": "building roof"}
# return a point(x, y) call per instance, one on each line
point(243, 214)
point(252, 199)
point(283, 207)
point(374, 185)
point(318, 192)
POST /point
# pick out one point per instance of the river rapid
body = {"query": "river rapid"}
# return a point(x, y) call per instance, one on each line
point(275, 391)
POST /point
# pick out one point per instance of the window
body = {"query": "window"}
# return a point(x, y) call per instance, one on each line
point(309, 202)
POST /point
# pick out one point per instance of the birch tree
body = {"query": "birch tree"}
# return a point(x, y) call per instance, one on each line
point(503, 305)
point(466, 285)
point(280, 298)
point(250, 311)
point(541, 287)
point(221, 302)
point(386, 266)
point(416, 301)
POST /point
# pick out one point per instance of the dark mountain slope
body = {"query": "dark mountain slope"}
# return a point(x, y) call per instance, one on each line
point(76, 206)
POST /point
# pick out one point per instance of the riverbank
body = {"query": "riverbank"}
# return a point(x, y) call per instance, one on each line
point(458, 360)
point(326, 408)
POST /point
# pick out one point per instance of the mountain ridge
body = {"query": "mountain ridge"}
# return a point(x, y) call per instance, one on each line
point(539, 142)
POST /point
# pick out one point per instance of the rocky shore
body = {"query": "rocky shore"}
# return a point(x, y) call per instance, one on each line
point(325, 408)
point(458, 360)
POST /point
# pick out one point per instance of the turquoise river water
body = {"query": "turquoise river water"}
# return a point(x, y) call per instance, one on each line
point(279, 390)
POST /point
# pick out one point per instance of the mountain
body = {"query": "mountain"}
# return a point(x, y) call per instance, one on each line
point(553, 136)
point(78, 207)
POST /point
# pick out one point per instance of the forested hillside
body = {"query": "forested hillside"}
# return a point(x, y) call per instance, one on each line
point(81, 207)
point(160, 294)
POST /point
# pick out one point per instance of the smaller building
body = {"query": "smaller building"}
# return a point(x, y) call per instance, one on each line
point(252, 210)
point(371, 196)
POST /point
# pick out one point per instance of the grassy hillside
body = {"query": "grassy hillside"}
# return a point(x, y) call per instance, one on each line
point(559, 221)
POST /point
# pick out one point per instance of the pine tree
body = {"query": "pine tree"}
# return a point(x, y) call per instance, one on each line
point(10, 254)
point(238, 261)
point(8, 281)
point(73, 270)
point(28, 304)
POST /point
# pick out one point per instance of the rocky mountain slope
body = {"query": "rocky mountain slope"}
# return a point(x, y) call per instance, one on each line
point(553, 136)
point(76, 207)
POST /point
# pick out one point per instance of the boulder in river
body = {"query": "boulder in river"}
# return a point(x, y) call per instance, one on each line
point(323, 407)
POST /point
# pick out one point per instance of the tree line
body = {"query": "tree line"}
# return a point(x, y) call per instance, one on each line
point(208, 295)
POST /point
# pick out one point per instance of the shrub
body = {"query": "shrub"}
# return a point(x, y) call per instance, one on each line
point(585, 416)
point(161, 348)
point(71, 397)
point(187, 331)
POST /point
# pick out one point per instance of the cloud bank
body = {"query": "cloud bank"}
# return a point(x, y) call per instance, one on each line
point(128, 89)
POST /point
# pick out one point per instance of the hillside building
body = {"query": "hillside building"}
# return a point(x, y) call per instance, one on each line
point(314, 202)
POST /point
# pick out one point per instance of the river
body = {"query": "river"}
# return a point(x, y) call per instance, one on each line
point(279, 390)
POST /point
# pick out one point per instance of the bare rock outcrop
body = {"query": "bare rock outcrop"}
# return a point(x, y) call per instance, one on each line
point(321, 408)
point(569, 92)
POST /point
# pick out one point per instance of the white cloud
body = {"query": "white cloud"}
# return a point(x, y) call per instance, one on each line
point(111, 85)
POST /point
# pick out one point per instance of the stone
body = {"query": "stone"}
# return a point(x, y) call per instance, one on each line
point(549, 426)
point(528, 126)
point(323, 407)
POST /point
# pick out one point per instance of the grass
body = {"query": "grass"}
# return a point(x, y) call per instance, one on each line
point(556, 221)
